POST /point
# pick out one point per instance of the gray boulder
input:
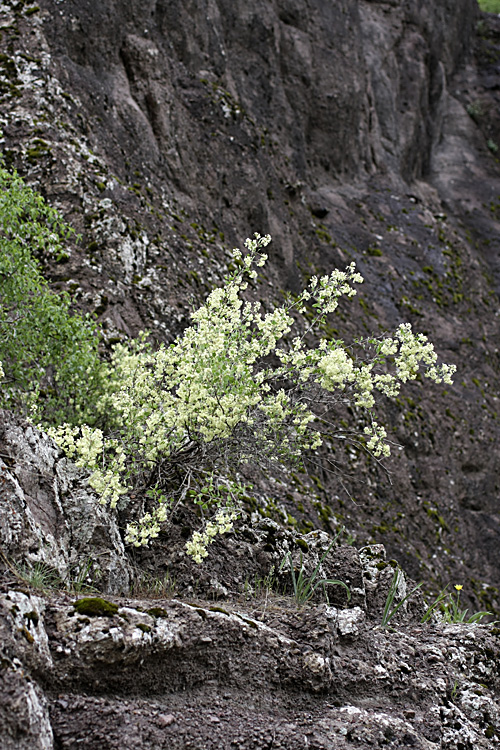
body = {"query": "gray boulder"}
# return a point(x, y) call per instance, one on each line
point(50, 519)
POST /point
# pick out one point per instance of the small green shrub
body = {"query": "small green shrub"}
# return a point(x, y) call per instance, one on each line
point(45, 578)
point(475, 110)
point(48, 354)
point(304, 585)
point(153, 587)
point(389, 610)
point(38, 575)
point(262, 586)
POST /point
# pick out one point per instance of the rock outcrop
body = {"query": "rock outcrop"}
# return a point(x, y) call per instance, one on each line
point(50, 520)
point(181, 675)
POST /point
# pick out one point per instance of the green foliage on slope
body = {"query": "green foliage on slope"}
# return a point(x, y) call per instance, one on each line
point(49, 354)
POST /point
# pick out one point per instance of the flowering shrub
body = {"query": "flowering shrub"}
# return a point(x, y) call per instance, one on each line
point(183, 419)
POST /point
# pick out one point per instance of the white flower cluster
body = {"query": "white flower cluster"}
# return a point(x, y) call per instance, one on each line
point(106, 458)
point(81, 443)
point(415, 348)
point(139, 534)
point(196, 547)
point(328, 289)
point(337, 369)
point(107, 483)
point(376, 444)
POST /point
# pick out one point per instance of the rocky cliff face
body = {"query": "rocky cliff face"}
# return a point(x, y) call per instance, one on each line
point(166, 132)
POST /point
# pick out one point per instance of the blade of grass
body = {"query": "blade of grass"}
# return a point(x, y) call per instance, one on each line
point(389, 613)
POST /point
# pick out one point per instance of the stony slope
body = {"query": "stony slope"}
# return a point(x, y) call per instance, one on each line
point(202, 677)
point(253, 671)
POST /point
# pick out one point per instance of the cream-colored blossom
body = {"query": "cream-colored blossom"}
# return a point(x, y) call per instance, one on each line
point(337, 369)
point(377, 444)
point(196, 547)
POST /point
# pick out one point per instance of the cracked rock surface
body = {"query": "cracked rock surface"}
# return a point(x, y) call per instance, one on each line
point(185, 675)
point(49, 517)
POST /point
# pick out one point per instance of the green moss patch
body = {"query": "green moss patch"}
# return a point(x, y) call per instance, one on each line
point(95, 607)
point(157, 612)
point(489, 6)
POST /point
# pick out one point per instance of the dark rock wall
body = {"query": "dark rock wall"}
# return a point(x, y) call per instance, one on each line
point(345, 86)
